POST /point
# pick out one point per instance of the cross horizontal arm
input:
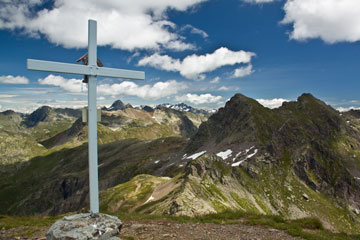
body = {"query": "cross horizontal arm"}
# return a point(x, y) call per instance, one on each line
point(120, 73)
point(47, 66)
point(58, 67)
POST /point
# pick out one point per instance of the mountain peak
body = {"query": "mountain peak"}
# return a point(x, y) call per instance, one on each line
point(39, 115)
point(306, 97)
point(8, 112)
point(117, 105)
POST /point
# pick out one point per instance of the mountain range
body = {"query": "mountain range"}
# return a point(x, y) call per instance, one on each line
point(301, 159)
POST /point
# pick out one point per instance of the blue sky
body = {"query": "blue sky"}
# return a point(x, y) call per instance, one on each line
point(200, 52)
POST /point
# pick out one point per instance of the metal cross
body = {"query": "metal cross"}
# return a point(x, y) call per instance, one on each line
point(92, 71)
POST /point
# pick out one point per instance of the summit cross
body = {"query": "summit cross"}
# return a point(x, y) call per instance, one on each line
point(92, 71)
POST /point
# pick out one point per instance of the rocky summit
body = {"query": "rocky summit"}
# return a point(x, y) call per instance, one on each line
point(299, 160)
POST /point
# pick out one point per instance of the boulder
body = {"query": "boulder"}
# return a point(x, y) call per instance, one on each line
point(85, 226)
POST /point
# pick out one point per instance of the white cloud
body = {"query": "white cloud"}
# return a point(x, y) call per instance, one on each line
point(346, 109)
point(153, 92)
point(70, 85)
point(198, 99)
point(7, 95)
point(215, 80)
point(195, 30)
point(259, 1)
point(193, 66)
point(243, 71)
point(9, 79)
point(123, 24)
point(331, 20)
point(223, 88)
point(127, 88)
point(272, 103)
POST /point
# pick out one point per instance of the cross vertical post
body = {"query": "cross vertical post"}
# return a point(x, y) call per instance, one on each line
point(92, 127)
point(92, 71)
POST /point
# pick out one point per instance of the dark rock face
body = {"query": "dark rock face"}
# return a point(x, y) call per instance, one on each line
point(117, 105)
point(148, 109)
point(306, 133)
point(231, 124)
point(39, 115)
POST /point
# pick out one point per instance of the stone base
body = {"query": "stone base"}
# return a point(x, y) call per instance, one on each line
point(85, 226)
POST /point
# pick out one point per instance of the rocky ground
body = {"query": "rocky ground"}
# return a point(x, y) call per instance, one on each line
point(166, 229)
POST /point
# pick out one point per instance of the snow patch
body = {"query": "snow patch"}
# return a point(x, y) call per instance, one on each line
point(196, 155)
point(224, 155)
point(114, 128)
point(237, 163)
point(156, 162)
point(150, 199)
point(247, 157)
point(250, 155)
point(181, 165)
point(357, 178)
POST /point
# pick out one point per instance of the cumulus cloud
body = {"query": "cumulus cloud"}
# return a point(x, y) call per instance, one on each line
point(259, 1)
point(272, 103)
point(9, 79)
point(330, 20)
point(198, 99)
point(194, 66)
point(223, 88)
point(123, 24)
point(125, 88)
point(215, 80)
point(243, 71)
point(70, 85)
point(149, 92)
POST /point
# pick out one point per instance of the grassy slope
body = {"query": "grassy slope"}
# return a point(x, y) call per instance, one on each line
point(36, 188)
point(276, 190)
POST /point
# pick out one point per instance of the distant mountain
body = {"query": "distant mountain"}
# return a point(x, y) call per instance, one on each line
point(21, 134)
point(299, 160)
point(39, 115)
point(147, 109)
point(182, 107)
point(118, 105)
